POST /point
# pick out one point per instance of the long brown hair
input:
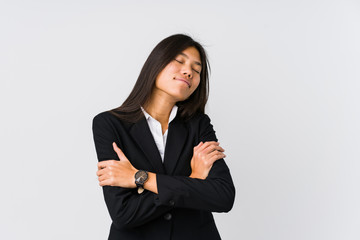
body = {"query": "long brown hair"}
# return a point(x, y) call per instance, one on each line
point(160, 56)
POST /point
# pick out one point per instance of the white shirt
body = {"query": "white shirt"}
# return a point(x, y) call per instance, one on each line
point(156, 130)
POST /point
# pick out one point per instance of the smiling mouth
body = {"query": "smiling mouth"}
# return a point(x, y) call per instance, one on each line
point(183, 80)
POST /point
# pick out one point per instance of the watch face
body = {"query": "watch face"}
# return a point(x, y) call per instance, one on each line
point(141, 176)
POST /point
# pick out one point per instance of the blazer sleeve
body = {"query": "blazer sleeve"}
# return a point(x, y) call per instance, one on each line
point(216, 193)
point(126, 207)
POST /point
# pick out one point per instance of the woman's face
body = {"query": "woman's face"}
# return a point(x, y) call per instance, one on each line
point(180, 78)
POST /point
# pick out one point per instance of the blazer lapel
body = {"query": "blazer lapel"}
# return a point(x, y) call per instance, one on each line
point(177, 134)
point(141, 134)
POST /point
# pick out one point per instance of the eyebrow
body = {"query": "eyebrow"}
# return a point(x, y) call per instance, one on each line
point(196, 62)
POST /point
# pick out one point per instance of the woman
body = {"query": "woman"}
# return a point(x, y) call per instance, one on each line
point(171, 174)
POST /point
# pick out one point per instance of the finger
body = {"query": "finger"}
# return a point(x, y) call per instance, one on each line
point(106, 182)
point(208, 159)
point(217, 154)
point(206, 144)
point(102, 178)
point(101, 172)
point(118, 151)
point(102, 164)
point(216, 157)
point(106, 163)
point(197, 146)
point(212, 154)
point(212, 147)
point(218, 148)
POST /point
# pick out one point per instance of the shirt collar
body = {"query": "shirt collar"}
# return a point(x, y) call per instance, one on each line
point(173, 113)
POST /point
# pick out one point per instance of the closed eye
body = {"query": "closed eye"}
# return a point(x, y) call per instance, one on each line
point(182, 63)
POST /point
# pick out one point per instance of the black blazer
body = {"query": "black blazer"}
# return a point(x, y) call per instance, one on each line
point(182, 208)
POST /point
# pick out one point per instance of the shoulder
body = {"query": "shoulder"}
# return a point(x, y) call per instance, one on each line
point(201, 125)
point(101, 123)
point(111, 115)
point(108, 119)
point(199, 119)
point(105, 117)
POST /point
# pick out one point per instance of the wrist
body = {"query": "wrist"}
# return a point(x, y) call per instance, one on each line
point(141, 177)
point(151, 183)
point(133, 184)
point(196, 175)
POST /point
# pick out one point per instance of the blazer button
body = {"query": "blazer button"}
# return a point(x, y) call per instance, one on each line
point(171, 202)
point(167, 216)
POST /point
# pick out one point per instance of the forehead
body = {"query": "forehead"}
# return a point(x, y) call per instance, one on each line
point(193, 54)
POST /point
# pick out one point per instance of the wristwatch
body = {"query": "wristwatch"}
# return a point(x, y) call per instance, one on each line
point(141, 177)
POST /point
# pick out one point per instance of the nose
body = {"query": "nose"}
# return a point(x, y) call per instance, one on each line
point(187, 72)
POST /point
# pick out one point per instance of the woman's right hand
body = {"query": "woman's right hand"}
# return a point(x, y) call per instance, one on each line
point(205, 154)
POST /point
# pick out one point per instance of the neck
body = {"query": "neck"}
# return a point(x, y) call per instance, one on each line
point(159, 107)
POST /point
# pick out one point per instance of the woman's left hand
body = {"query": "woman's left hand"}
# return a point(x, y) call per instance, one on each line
point(116, 173)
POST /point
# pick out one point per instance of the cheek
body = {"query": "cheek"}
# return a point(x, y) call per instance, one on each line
point(166, 73)
point(171, 68)
point(161, 78)
point(161, 83)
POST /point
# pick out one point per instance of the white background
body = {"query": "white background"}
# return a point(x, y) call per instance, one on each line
point(284, 100)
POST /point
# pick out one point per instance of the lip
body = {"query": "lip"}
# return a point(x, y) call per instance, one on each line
point(184, 80)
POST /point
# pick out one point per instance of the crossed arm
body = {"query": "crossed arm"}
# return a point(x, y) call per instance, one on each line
point(208, 188)
point(121, 173)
